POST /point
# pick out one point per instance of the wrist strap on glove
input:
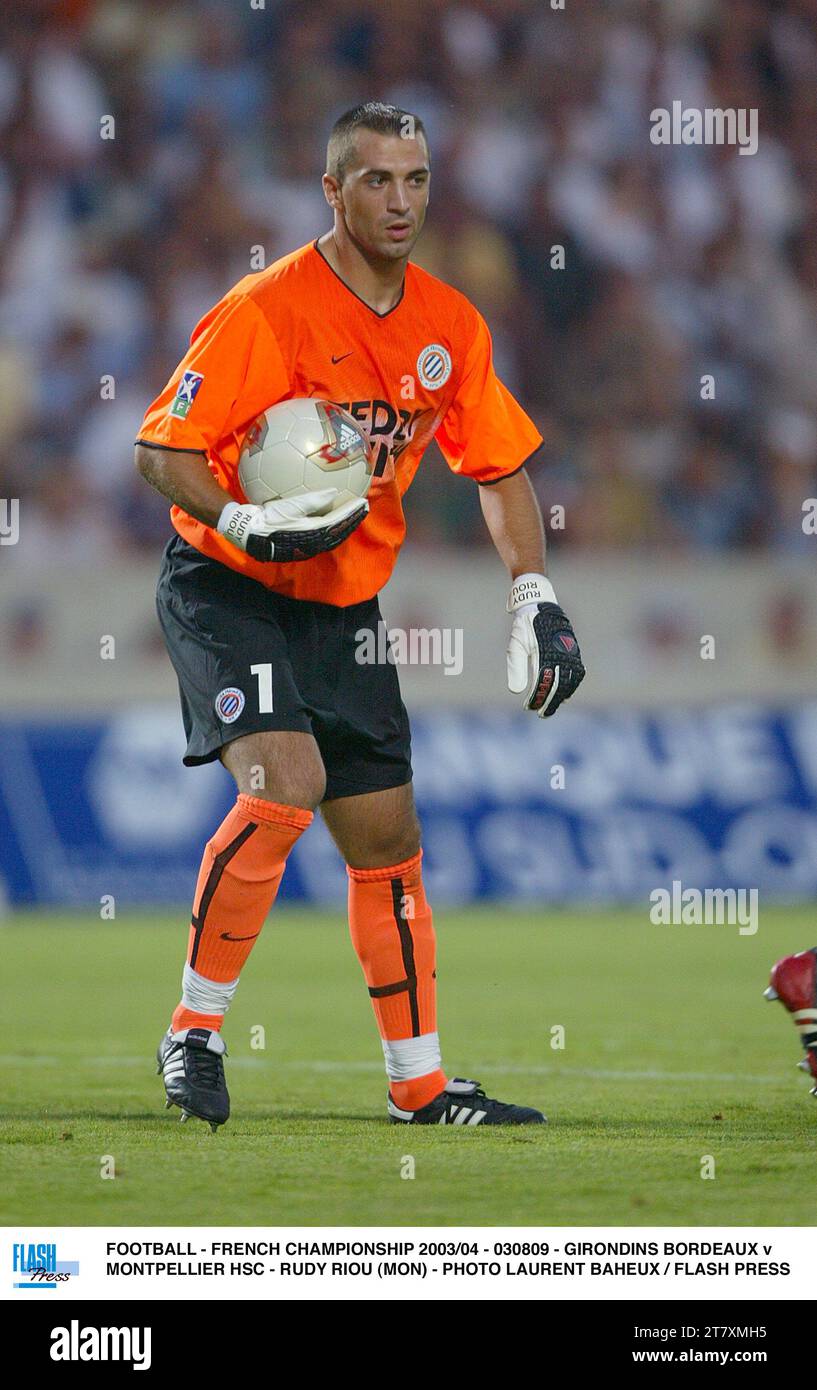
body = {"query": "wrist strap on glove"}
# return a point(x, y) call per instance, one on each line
point(530, 589)
point(233, 523)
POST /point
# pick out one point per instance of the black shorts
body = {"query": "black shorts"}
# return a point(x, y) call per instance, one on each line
point(219, 624)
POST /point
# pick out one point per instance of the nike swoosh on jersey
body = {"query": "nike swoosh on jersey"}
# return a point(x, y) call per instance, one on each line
point(335, 359)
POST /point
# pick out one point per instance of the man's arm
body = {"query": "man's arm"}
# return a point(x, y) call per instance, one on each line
point(544, 659)
point(514, 521)
point(183, 477)
point(296, 528)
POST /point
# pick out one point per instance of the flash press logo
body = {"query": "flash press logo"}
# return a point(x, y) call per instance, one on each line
point(39, 1268)
point(75, 1343)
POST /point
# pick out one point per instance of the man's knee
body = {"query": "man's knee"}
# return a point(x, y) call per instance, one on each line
point(284, 767)
point(381, 842)
point(402, 843)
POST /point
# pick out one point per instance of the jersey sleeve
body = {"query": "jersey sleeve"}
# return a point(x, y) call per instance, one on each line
point(232, 371)
point(485, 434)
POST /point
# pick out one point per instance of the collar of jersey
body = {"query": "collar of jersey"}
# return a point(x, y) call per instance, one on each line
point(350, 291)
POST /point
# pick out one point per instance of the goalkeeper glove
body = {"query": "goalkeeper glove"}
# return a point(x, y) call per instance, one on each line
point(293, 528)
point(544, 659)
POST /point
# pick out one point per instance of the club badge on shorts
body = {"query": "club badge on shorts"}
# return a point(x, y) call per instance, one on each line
point(434, 366)
point(229, 704)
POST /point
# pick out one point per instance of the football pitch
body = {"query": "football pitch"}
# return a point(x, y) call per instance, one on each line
point(671, 1055)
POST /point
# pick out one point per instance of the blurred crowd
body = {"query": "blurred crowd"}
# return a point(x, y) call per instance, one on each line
point(669, 354)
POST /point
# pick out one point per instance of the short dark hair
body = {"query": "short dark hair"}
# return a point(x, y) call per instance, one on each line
point(370, 115)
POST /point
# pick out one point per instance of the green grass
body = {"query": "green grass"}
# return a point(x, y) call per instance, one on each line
point(671, 1054)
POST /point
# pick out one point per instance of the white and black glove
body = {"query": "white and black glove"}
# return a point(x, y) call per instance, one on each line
point(544, 659)
point(293, 528)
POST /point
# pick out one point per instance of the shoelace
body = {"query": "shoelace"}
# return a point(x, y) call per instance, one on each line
point(205, 1068)
point(471, 1097)
point(478, 1100)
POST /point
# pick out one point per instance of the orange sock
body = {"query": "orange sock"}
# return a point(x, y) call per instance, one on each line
point(238, 880)
point(393, 934)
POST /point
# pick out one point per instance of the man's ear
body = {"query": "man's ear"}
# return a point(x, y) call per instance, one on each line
point(331, 192)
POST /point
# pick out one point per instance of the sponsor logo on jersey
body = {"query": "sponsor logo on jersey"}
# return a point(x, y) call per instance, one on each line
point(434, 366)
point(186, 393)
point(229, 704)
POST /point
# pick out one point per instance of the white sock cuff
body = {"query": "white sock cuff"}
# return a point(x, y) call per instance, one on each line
point(204, 996)
point(408, 1058)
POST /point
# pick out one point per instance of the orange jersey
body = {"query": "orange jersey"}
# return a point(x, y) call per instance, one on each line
point(422, 371)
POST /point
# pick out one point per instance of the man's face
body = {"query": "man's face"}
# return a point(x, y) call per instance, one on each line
point(384, 194)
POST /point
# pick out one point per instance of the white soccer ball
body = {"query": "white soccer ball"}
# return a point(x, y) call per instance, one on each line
point(304, 445)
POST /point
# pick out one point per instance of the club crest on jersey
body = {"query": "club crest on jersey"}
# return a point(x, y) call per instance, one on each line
point(229, 704)
point(186, 393)
point(434, 366)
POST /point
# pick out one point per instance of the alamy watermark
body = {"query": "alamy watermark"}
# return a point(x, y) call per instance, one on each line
point(417, 646)
point(712, 126)
point(684, 907)
point(9, 520)
point(75, 1343)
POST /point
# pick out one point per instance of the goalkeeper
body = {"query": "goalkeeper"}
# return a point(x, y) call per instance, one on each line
point(260, 606)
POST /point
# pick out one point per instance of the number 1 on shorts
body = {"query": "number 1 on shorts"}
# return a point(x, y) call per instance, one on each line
point(264, 673)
